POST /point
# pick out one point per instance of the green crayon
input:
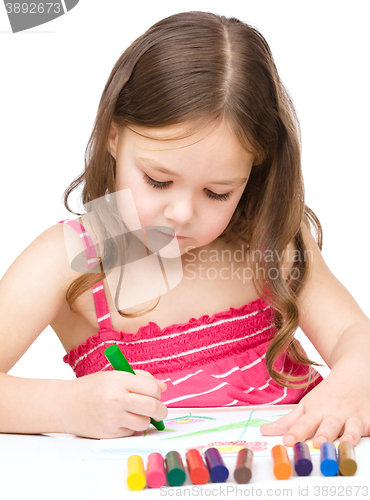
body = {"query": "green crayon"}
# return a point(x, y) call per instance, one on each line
point(120, 363)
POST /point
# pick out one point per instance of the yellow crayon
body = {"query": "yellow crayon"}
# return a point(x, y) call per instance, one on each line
point(135, 473)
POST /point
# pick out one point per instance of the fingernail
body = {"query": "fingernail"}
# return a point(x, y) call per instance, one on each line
point(320, 440)
point(289, 440)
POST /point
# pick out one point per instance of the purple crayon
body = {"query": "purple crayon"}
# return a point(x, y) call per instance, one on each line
point(302, 459)
point(217, 469)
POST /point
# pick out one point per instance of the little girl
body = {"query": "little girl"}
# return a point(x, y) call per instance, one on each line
point(195, 158)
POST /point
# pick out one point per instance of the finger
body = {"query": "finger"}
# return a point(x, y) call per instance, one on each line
point(145, 406)
point(162, 385)
point(303, 428)
point(143, 372)
point(280, 426)
point(352, 431)
point(124, 432)
point(120, 433)
point(139, 384)
point(135, 421)
point(328, 430)
point(125, 424)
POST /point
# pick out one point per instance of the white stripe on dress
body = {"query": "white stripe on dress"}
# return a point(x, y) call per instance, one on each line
point(253, 363)
point(278, 399)
point(233, 402)
point(103, 317)
point(238, 368)
point(222, 375)
point(95, 259)
point(187, 396)
point(178, 381)
point(264, 386)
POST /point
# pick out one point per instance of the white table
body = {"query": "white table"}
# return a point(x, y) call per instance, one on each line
point(51, 467)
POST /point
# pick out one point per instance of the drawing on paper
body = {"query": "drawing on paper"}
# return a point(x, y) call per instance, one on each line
point(223, 428)
point(187, 419)
point(232, 447)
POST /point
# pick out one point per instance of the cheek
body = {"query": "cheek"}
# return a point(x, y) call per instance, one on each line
point(215, 221)
point(146, 207)
point(144, 213)
point(127, 180)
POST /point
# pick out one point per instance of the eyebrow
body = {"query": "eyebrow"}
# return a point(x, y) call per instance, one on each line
point(152, 164)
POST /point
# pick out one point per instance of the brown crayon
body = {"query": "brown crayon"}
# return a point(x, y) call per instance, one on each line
point(243, 468)
point(346, 459)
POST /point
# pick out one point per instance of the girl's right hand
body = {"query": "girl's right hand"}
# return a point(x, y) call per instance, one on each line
point(112, 404)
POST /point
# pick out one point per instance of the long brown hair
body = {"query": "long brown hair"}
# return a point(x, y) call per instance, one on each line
point(204, 68)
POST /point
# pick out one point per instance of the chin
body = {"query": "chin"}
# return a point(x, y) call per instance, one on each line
point(171, 252)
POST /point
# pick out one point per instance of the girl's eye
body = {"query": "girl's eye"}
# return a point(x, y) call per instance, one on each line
point(163, 185)
point(220, 197)
point(155, 184)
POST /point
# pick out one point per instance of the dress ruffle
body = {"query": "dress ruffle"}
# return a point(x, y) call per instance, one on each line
point(152, 330)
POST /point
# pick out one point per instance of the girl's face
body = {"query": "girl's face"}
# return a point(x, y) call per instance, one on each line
point(191, 186)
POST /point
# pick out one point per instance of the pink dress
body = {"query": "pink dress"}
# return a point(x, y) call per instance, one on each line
point(209, 361)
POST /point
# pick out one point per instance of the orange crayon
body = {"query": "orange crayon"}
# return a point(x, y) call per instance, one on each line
point(282, 468)
point(198, 471)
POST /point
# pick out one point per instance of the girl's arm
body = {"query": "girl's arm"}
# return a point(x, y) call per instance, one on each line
point(340, 331)
point(104, 404)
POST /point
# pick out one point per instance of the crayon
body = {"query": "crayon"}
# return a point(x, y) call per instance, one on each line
point(346, 459)
point(116, 358)
point(135, 473)
point(155, 474)
point(328, 459)
point(243, 468)
point(217, 469)
point(302, 459)
point(175, 469)
point(282, 468)
point(198, 472)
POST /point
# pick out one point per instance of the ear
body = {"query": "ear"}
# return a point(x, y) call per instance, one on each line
point(113, 140)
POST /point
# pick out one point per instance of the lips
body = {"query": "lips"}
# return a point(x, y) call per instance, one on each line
point(172, 235)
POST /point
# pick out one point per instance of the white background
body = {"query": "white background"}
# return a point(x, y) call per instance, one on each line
point(52, 77)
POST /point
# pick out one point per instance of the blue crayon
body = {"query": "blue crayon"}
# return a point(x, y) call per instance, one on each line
point(328, 459)
point(302, 459)
point(217, 469)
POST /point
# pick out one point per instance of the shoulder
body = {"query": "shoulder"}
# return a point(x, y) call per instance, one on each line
point(45, 260)
point(32, 292)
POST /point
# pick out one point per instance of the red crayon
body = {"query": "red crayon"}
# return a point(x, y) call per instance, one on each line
point(198, 471)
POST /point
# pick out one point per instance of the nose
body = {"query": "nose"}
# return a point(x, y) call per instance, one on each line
point(180, 210)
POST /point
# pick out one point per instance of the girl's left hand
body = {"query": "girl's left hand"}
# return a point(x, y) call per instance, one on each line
point(338, 406)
